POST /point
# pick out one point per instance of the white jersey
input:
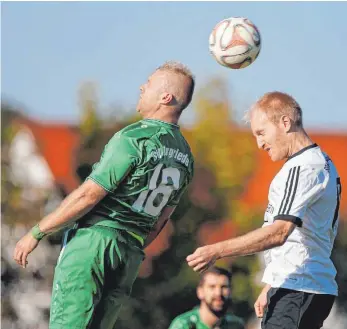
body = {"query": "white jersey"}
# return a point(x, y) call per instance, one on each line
point(307, 192)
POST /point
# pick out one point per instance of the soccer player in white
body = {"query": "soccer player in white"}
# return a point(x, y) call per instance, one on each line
point(300, 222)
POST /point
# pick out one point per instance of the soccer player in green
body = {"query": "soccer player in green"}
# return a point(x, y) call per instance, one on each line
point(120, 208)
point(214, 292)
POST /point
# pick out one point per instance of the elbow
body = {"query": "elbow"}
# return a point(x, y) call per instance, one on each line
point(281, 238)
point(281, 231)
point(91, 199)
point(88, 198)
point(91, 193)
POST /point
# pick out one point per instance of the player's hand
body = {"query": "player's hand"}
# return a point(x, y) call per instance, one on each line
point(261, 304)
point(203, 258)
point(23, 248)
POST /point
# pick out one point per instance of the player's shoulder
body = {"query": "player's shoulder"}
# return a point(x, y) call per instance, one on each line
point(184, 319)
point(310, 161)
point(309, 166)
point(139, 130)
point(132, 136)
point(235, 320)
point(310, 156)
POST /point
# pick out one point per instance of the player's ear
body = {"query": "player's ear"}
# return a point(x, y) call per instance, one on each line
point(199, 293)
point(166, 98)
point(286, 123)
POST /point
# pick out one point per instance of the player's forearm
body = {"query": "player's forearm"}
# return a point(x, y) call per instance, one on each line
point(258, 240)
point(151, 236)
point(77, 204)
point(266, 288)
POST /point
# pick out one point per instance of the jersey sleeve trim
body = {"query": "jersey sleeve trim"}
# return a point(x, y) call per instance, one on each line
point(100, 184)
point(290, 190)
point(296, 220)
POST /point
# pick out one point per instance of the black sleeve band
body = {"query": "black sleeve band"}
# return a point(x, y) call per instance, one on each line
point(296, 220)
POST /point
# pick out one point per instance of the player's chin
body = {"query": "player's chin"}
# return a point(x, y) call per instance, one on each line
point(275, 157)
point(138, 106)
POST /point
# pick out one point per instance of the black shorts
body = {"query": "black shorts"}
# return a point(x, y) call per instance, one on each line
point(291, 309)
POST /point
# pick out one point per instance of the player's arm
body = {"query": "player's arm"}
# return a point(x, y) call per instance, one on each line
point(261, 302)
point(258, 240)
point(261, 239)
point(163, 219)
point(117, 160)
point(74, 206)
point(308, 186)
point(77, 204)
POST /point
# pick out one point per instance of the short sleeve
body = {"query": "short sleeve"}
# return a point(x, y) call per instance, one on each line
point(303, 186)
point(120, 155)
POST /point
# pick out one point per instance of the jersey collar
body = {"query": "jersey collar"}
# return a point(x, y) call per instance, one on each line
point(221, 322)
point(302, 151)
point(163, 123)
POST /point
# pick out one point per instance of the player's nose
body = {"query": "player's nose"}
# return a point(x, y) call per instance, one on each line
point(260, 143)
point(218, 292)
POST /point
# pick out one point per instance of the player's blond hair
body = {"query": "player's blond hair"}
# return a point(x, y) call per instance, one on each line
point(179, 68)
point(275, 104)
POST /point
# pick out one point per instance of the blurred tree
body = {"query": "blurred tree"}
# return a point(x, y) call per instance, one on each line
point(227, 150)
point(13, 208)
point(9, 192)
point(14, 211)
point(90, 124)
point(93, 133)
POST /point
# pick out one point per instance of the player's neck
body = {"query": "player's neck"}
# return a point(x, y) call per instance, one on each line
point(163, 116)
point(207, 317)
point(299, 140)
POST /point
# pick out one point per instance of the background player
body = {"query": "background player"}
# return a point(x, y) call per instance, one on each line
point(214, 292)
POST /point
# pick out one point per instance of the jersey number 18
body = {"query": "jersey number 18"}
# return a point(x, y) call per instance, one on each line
point(145, 201)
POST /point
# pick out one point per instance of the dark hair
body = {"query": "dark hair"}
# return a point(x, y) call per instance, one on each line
point(215, 270)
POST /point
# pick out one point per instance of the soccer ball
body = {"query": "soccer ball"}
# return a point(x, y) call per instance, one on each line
point(235, 42)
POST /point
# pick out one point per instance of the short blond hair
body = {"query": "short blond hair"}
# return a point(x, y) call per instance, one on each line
point(179, 68)
point(275, 104)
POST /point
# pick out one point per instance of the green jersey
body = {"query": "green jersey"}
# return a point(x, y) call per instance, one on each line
point(144, 167)
point(191, 320)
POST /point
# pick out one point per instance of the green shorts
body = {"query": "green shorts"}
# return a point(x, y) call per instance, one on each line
point(94, 275)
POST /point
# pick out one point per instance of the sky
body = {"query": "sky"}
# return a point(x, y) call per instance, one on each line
point(48, 49)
